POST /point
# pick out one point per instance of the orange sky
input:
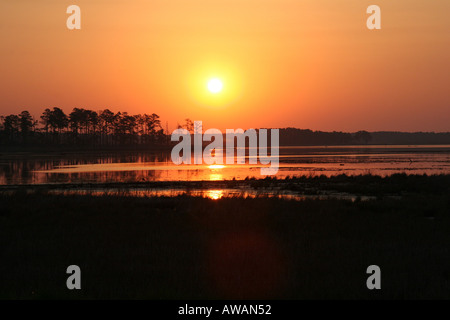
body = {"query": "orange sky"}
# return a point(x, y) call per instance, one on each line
point(308, 64)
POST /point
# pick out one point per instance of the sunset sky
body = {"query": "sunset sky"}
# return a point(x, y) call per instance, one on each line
point(299, 63)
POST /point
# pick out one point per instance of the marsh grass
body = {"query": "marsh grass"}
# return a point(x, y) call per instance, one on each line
point(195, 248)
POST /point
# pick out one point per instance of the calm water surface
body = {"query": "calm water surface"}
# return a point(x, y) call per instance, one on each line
point(19, 169)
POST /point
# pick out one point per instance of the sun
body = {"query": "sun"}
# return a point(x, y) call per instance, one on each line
point(215, 85)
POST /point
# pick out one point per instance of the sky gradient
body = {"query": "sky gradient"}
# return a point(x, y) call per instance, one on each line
point(307, 64)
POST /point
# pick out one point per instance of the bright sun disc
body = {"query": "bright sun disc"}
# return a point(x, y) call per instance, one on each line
point(215, 85)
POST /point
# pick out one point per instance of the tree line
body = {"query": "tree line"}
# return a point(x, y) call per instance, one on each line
point(306, 137)
point(88, 127)
point(81, 126)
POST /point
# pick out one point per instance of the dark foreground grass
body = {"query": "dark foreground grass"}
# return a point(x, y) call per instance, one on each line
point(399, 184)
point(195, 248)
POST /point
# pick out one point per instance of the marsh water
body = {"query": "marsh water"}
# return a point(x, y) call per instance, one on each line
point(128, 167)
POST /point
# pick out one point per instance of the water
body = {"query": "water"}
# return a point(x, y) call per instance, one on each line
point(71, 168)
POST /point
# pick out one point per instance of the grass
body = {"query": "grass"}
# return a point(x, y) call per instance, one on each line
point(396, 184)
point(195, 248)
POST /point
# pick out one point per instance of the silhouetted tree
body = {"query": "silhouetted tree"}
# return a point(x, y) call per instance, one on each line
point(46, 119)
point(11, 124)
point(92, 121)
point(55, 119)
point(78, 119)
point(26, 123)
point(87, 127)
point(106, 120)
point(188, 125)
point(60, 119)
point(152, 123)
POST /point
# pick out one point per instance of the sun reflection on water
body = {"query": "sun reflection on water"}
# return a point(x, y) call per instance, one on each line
point(216, 175)
point(214, 194)
point(216, 166)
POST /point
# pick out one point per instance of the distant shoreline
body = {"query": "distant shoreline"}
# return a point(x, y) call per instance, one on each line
point(92, 149)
